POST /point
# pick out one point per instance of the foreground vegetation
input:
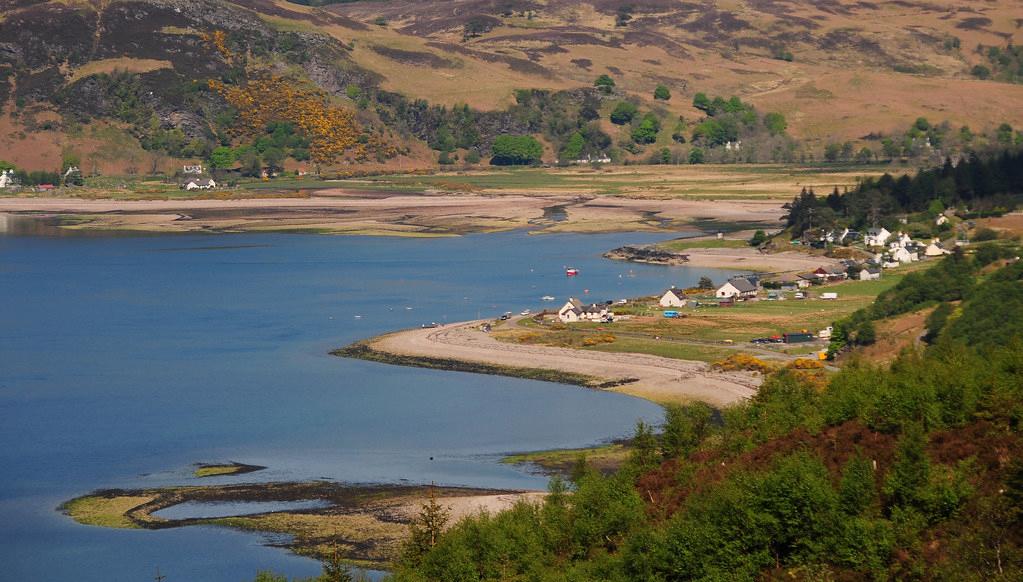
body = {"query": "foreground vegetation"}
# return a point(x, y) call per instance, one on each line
point(905, 472)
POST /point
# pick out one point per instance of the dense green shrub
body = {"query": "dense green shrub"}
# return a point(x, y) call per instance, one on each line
point(513, 150)
point(623, 113)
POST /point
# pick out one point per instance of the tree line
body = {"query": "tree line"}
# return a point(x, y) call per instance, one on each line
point(907, 471)
point(991, 183)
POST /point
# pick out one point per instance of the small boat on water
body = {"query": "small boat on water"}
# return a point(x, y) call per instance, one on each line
point(571, 272)
point(548, 298)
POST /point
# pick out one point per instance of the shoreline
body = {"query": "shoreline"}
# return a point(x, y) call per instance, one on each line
point(364, 350)
point(366, 523)
point(463, 347)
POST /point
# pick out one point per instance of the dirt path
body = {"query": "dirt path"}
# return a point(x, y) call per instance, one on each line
point(657, 379)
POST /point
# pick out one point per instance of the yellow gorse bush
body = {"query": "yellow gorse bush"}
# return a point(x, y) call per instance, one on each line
point(332, 130)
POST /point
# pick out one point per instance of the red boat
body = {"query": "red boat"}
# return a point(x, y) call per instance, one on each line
point(571, 272)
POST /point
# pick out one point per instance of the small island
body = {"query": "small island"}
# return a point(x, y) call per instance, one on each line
point(220, 469)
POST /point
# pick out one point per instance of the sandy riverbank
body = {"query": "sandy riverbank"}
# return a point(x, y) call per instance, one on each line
point(651, 377)
point(339, 211)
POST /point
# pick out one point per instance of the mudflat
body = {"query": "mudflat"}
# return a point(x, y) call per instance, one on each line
point(338, 211)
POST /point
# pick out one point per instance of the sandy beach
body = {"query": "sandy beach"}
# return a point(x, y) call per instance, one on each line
point(654, 378)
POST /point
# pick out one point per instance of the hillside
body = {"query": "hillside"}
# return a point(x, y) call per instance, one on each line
point(122, 85)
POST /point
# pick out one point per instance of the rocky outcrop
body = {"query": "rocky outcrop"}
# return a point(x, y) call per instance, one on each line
point(647, 254)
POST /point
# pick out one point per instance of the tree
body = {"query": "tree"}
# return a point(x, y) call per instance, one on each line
point(513, 150)
point(623, 113)
point(866, 333)
point(775, 123)
point(274, 158)
point(644, 447)
point(573, 149)
point(701, 102)
point(664, 156)
point(759, 238)
point(705, 283)
point(426, 527)
point(334, 569)
point(222, 157)
point(696, 156)
point(904, 485)
point(662, 93)
point(832, 152)
point(605, 83)
point(865, 155)
point(646, 131)
point(251, 164)
point(1004, 134)
point(857, 490)
point(478, 26)
point(685, 427)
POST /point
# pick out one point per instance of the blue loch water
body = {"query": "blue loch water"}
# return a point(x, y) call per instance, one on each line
point(124, 360)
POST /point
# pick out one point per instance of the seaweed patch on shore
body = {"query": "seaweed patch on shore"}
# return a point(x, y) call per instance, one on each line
point(365, 523)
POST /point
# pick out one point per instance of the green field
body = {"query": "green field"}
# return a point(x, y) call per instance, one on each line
point(710, 333)
point(738, 181)
point(703, 243)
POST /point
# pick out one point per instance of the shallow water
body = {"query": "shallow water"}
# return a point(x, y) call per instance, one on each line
point(214, 509)
point(125, 360)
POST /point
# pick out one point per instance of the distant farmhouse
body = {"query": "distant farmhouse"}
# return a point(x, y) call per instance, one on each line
point(876, 237)
point(199, 184)
point(935, 249)
point(574, 311)
point(870, 273)
point(737, 288)
point(836, 273)
point(673, 297)
point(7, 179)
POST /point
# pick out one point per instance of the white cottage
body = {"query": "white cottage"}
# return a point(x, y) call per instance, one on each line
point(673, 298)
point(574, 311)
point(199, 184)
point(903, 255)
point(935, 249)
point(738, 287)
point(870, 273)
point(7, 178)
point(876, 237)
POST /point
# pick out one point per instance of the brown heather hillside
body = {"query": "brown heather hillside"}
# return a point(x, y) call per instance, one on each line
point(856, 66)
point(838, 70)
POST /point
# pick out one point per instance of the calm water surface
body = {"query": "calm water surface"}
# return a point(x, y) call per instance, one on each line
point(125, 360)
